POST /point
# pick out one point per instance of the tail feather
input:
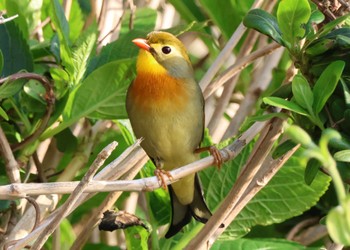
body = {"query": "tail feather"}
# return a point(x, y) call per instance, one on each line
point(181, 214)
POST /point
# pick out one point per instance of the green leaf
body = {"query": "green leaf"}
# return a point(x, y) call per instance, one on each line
point(35, 90)
point(10, 88)
point(136, 238)
point(18, 8)
point(82, 52)
point(59, 20)
point(281, 103)
point(3, 114)
point(266, 243)
point(227, 15)
point(302, 93)
point(283, 148)
point(326, 84)
point(343, 155)
point(338, 223)
point(101, 95)
point(15, 50)
point(287, 189)
point(311, 170)
point(265, 23)
point(291, 16)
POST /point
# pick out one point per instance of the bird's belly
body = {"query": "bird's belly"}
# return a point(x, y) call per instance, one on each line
point(169, 136)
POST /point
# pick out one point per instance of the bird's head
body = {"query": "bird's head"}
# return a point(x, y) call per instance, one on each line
point(162, 51)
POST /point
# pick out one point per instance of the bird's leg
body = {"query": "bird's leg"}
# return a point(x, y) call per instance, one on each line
point(160, 172)
point(213, 152)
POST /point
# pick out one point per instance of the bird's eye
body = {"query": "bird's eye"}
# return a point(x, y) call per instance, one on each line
point(166, 49)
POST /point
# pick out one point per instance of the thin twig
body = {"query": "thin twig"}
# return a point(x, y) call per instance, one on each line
point(226, 52)
point(5, 20)
point(270, 133)
point(235, 68)
point(108, 203)
point(145, 184)
point(68, 205)
point(262, 79)
point(11, 165)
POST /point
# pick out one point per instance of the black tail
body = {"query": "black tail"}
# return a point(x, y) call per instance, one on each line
point(181, 214)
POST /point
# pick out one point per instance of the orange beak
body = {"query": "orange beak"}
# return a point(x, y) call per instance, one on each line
point(141, 43)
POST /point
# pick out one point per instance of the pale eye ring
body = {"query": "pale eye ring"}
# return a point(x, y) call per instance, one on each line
point(166, 49)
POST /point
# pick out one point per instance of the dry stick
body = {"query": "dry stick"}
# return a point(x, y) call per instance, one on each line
point(262, 79)
point(145, 184)
point(229, 86)
point(67, 5)
point(260, 180)
point(11, 165)
point(226, 52)
point(238, 66)
point(262, 147)
point(68, 205)
point(135, 154)
point(108, 203)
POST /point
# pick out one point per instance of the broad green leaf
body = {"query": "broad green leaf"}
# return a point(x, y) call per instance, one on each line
point(15, 50)
point(291, 16)
point(188, 10)
point(144, 19)
point(35, 90)
point(338, 223)
point(59, 20)
point(16, 8)
point(343, 155)
point(136, 238)
point(82, 52)
point(265, 23)
point(3, 114)
point(281, 103)
point(266, 244)
point(302, 93)
point(227, 15)
point(100, 95)
point(76, 22)
point(287, 189)
point(326, 84)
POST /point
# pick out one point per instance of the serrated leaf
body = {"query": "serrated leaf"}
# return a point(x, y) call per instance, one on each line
point(101, 95)
point(59, 20)
point(281, 103)
point(82, 53)
point(343, 155)
point(302, 92)
point(287, 189)
point(265, 23)
point(326, 83)
point(291, 16)
point(15, 50)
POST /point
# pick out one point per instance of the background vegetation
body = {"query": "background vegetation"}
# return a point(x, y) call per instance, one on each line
point(275, 76)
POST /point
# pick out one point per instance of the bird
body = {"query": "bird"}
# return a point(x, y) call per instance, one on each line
point(165, 106)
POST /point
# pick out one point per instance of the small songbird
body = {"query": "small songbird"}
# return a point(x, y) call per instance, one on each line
point(166, 108)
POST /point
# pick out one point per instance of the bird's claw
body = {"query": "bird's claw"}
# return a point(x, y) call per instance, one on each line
point(160, 173)
point(218, 161)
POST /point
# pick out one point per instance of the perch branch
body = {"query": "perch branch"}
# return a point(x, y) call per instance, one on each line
point(145, 184)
